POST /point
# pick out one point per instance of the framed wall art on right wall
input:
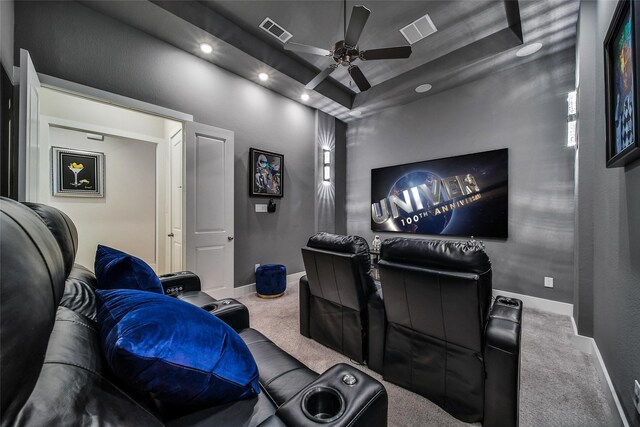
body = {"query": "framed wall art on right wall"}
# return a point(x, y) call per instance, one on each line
point(621, 57)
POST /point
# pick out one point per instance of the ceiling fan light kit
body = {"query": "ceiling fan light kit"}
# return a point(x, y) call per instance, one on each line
point(345, 52)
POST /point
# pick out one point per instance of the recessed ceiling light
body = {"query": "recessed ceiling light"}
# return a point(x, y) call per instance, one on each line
point(304, 97)
point(263, 76)
point(206, 48)
point(424, 88)
point(529, 49)
point(355, 113)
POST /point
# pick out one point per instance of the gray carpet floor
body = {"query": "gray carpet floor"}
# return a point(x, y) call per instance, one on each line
point(559, 384)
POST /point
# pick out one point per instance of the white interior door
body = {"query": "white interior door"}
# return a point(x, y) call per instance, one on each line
point(28, 124)
point(175, 235)
point(208, 237)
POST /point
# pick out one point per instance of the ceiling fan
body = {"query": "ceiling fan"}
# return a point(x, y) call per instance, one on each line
point(346, 51)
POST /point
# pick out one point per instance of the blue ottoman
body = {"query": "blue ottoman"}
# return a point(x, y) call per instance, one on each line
point(271, 280)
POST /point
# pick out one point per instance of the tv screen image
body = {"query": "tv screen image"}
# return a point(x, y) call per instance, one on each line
point(454, 196)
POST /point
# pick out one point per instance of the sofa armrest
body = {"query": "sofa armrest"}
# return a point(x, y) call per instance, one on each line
point(231, 312)
point(305, 305)
point(182, 281)
point(502, 363)
point(377, 322)
point(336, 403)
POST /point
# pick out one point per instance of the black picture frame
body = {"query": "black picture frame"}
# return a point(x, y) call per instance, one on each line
point(622, 145)
point(77, 173)
point(266, 173)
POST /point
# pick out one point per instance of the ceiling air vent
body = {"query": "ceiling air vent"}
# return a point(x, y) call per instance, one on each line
point(275, 30)
point(419, 29)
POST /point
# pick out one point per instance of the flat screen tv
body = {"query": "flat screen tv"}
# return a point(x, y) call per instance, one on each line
point(453, 196)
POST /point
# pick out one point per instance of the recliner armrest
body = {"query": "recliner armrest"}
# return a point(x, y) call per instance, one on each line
point(231, 312)
point(502, 363)
point(182, 281)
point(364, 403)
point(377, 322)
point(305, 295)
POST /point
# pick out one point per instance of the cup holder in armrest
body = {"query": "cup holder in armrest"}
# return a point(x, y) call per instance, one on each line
point(323, 404)
point(210, 307)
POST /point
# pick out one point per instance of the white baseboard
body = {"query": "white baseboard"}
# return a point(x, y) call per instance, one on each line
point(588, 345)
point(540, 304)
point(292, 280)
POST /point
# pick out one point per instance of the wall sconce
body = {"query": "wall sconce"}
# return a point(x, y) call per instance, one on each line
point(572, 119)
point(326, 161)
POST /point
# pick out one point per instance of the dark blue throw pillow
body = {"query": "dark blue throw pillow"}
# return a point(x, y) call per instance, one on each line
point(118, 270)
point(174, 351)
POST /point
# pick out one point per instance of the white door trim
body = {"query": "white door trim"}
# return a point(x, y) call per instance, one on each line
point(28, 147)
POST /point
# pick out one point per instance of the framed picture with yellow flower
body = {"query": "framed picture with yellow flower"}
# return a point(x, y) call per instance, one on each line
point(77, 173)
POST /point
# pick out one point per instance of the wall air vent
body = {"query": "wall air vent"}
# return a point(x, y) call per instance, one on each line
point(419, 29)
point(275, 30)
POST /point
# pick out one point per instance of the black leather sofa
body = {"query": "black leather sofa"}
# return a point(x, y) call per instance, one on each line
point(53, 371)
point(434, 331)
point(335, 292)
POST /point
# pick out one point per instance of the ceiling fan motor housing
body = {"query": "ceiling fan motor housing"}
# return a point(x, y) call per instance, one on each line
point(344, 54)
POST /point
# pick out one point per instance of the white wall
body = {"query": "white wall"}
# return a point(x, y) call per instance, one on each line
point(132, 213)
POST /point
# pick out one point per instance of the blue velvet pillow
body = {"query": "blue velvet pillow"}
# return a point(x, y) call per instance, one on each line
point(118, 270)
point(172, 350)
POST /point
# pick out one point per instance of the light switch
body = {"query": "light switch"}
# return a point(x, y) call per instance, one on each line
point(548, 282)
point(261, 207)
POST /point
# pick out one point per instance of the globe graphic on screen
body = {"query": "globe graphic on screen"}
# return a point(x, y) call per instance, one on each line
point(430, 224)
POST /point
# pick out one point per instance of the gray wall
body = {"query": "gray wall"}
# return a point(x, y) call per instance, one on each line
point(586, 50)
point(331, 134)
point(524, 109)
point(611, 220)
point(6, 35)
point(72, 42)
point(341, 177)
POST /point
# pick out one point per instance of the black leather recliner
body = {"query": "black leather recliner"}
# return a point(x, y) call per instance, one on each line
point(437, 334)
point(53, 371)
point(335, 291)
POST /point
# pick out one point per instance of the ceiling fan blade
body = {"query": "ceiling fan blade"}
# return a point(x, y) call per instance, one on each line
point(319, 78)
point(297, 47)
point(359, 78)
point(386, 53)
point(359, 16)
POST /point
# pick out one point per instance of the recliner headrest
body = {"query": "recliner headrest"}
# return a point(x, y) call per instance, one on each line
point(31, 286)
point(337, 243)
point(62, 229)
point(467, 257)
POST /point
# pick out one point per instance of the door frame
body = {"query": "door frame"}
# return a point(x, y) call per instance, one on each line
point(169, 202)
point(187, 121)
point(91, 93)
point(48, 122)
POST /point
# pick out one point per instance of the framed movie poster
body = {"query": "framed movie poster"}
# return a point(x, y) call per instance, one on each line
point(464, 195)
point(621, 85)
point(266, 174)
point(77, 173)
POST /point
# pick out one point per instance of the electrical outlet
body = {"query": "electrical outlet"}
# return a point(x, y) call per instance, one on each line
point(256, 268)
point(548, 282)
point(636, 395)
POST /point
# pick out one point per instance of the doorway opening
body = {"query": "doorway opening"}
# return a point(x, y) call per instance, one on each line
point(142, 177)
point(193, 170)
